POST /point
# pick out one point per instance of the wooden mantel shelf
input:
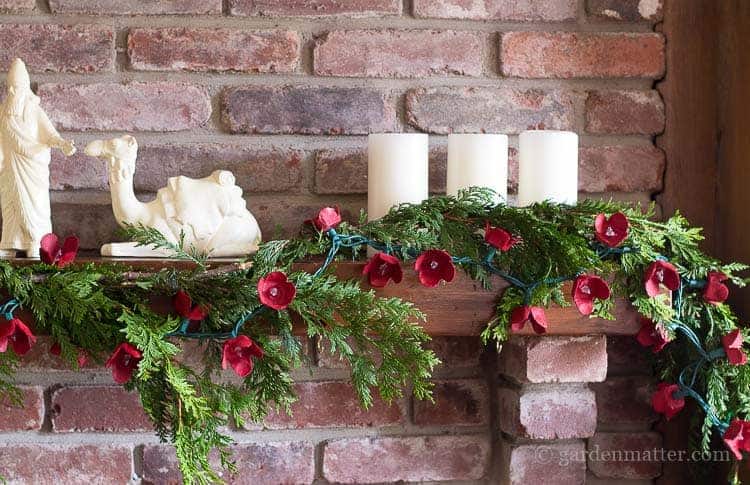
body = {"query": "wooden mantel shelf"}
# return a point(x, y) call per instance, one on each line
point(459, 308)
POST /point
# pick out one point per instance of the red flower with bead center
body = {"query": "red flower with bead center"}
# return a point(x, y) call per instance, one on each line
point(276, 291)
point(327, 218)
point(499, 238)
point(652, 335)
point(238, 354)
point(664, 401)
point(433, 266)
point(737, 437)
point(586, 289)
point(658, 274)
point(15, 333)
point(123, 362)
point(525, 313)
point(715, 290)
point(381, 268)
point(51, 252)
point(732, 343)
point(613, 231)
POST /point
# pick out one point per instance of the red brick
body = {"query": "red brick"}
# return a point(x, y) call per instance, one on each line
point(398, 53)
point(626, 10)
point(548, 463)
point(39, 358)
point(58, 48)
point(625, 402)
point(571, 54)
point(26, 416)
point(625, 455)
point(17, 5)
point(555, 359)
point(362, 460)
point(182, 49)
point(458, 402)
point(625, 112)
point(456, 352)
point(156, 106)
point(315, 8)
point(256, 170)
point(71, 464)
point(269, 463)
point(509, 10)
point(625, 356)
point(491, 110)
point(332, 404)
point(548, 413)
point(98, 408)
point(136, 7)
point(625, 168)
point(94, 224)
point(307, 110)
point(345, 171)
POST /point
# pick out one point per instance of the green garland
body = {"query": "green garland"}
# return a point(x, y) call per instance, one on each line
point(96, 307)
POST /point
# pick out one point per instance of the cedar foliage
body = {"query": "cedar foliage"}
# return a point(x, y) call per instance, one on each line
point(95, 307)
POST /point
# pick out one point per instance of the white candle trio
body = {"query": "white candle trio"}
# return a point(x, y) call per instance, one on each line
point(398, 167)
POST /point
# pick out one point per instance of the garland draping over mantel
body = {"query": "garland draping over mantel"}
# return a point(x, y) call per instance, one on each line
point(240, 316)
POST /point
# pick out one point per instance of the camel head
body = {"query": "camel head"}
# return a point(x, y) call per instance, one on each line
point(119, 153)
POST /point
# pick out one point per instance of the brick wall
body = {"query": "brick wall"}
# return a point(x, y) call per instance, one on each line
point(283, 92)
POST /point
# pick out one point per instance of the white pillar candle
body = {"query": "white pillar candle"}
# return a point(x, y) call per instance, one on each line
point(547, 167)
point(397, 171)
point(477, 160)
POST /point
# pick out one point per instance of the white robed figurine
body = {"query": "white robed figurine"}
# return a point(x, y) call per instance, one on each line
point(26, 138)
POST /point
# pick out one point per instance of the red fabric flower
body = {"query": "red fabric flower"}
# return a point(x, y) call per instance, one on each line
point(83, 357)
point(525, 313)
point(185, 308)
point(737, 437)
point(434, 265)
point(499, 238)
point(587, 288)
point(276, 291)
point(52, 253)
point(381, 268)
point(238, 354)
point(327, 218)
point(652, 335)
point(664, 401)
point(123, 362)
point(732, 343)
point(613, 231)
point(715, 291)
point(17, 334)
point(661, 273)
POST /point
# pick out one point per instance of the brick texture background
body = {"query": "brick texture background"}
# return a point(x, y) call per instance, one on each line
point(283, 92)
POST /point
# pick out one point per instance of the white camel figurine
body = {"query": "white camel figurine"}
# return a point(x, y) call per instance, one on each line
point(210, 212)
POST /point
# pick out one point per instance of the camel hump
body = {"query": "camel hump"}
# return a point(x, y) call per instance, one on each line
point(224, 178)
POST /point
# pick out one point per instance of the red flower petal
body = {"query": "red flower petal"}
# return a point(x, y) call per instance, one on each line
point(613, 231)
point(538, 319)
point(732, 343)
point(381, 268)
point(664, 401)
point(715, 291)
point(735, 437)
point(652, 335)
point(327, 218)
point(69, 251)
point(123, 362)
point(198, 312)
point(55, 349)
point(658, 274)
point(21, 339)
point(275, 291)
point(49, 248)
point(585, 289)
point(237, 353)
point(498, 237)
point(518, 317)
point(433, 266)
point(182, 303)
